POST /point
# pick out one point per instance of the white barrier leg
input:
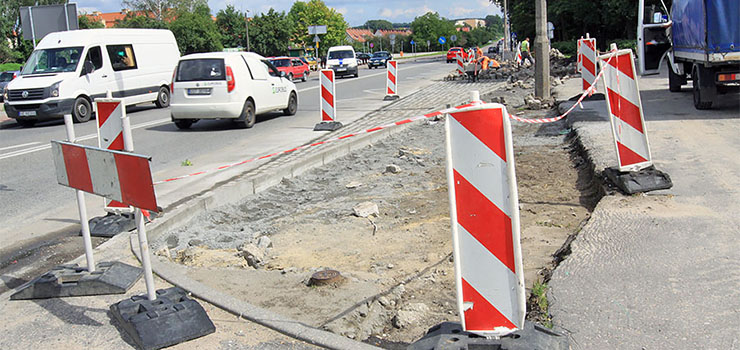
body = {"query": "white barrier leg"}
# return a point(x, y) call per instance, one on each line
point(146, 262)
point(81, 207)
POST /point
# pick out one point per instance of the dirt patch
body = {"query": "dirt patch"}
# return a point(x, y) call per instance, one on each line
point(397, 265)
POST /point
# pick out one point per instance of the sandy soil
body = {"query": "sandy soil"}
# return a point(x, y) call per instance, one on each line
point(398, 274)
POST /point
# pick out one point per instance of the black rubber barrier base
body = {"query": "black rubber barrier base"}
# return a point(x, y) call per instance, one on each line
point(450, 336)
point(170, 319)
point(327, 126)
point(645, 180)
point(111, 225)
point(74, 281)
point(391, 97)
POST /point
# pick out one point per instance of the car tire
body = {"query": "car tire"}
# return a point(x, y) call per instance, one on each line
point(357, 73)
point(247, 119)
point(183, 124)
point(25, 123)
point(81, 110)
point(163, 98)
point(305, 75)
point(292, 107)
point(290, 77)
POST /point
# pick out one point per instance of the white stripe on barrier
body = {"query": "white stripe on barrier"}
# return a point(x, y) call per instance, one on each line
point(621, 84)
point(111, 127)
point(479, 164)
point(105, 179)
point(630, 137)
point(488, 276)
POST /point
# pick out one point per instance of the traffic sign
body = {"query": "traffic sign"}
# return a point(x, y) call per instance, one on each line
point(442, 40)
point(412, 42)
point(392, 36)
point(371, 45)
point(453, 37)
point(316, 39)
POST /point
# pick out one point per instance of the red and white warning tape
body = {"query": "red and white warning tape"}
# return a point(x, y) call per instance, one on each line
point(367, 131)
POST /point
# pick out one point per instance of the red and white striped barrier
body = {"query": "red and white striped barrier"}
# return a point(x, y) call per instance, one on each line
point(122, 176)
point(625, 111)
point(328, 96)
point(460, 63)
point(484, 213)
point(110, 114)
point(587, 54)
point(391, 81)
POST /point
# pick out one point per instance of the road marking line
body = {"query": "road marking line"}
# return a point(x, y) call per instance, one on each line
point(21, 145)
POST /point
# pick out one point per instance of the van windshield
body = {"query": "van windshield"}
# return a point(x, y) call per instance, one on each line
point(64, 59)
point(201, 69)
point(335, 55)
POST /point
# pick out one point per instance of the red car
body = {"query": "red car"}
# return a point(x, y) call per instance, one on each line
point(293, 67)
point(452, 54)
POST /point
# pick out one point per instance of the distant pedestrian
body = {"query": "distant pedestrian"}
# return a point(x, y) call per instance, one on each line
point(524, 48)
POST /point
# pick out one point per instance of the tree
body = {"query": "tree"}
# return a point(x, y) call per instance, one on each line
point(163, 9)
point(431, 26)
point(231, 24)
point(315, 12)
point(270, 33)
point(495, 25)
point(138, 20)
point(195, 31)
point(13, 48)
point(375, 24)
point(87, 23)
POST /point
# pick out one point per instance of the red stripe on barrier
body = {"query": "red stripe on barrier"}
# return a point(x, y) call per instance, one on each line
point(135, 179)
point(345, 136)
point(375, 129)
point(327, 96)
point(105, 109)
point(78, 171)
point(628, 156)
point(591, 44)
point(392, 78)
point(590, 66)
point(624, 110)
point(482, 315)
point(484, 220)
point(433, 114)
point(623, 63)
point(117, 144)
point(487, 130)
point(224, 167)
point(325, 117)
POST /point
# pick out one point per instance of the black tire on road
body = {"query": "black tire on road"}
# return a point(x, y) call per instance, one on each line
point(247, 118)
point(290, 76)
point(81, 110)
point(163, 97)
point(292, 107)
point(357, 73)
point(701, 100)
point(183, 124)
point(674, 80)
point(305, 75)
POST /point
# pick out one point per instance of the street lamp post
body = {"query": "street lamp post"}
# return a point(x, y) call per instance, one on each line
point(247, 21)
point(542, 52)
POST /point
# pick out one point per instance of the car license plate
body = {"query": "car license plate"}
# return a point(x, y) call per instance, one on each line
point(341, 69)
point(27, 113)
point(201, 91)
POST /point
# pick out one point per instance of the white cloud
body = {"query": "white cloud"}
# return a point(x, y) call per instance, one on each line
point(461, 11)
point(342, 10)
point(407, 12)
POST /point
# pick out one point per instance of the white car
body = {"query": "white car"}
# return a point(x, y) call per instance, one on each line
point(342, 60)
point(228, 85)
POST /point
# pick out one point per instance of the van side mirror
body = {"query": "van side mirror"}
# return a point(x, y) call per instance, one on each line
point(87, 67)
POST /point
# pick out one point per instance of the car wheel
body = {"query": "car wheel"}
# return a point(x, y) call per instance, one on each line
point(26, 123)
point(290, 77)
point(163, 98)
point(81, 111)
point(357, 73)
point(303, 78)
point(183, 124)
point(292, 107)
point(247, 118)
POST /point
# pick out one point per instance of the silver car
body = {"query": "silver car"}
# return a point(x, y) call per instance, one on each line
point(5, 78)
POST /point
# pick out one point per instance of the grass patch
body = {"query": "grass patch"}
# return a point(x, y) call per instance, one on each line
point(186, 162)
point(539, 294)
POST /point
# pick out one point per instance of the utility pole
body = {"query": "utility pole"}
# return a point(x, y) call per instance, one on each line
point(507, 35)
point(247, 21)
point(542, 52)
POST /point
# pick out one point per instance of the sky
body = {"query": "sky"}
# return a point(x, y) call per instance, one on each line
point(355, 12)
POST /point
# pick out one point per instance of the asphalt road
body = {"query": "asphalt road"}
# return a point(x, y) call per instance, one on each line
point(35, 208)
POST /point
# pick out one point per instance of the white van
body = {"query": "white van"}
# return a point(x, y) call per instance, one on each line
point(342, 60)
point(136, 64)
point(229, 85)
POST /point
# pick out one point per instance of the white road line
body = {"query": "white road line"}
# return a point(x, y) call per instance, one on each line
point(17, 146)
point(81, 138)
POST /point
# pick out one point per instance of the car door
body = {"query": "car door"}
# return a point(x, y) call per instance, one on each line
point(278, 85)
point(100, 80)
point(653, 31)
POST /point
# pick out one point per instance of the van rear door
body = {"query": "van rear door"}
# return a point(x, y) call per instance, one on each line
point(653, 35)
point(202, 79)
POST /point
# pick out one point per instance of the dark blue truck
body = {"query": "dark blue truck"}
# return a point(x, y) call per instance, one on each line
point(700, 39)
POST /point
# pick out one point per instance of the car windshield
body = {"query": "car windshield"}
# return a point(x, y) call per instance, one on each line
point(201, 69)
point(335, 55)
point(380, 54)
point(454, 49)
point(55, 60)
point(280, 63)
point(6, 76)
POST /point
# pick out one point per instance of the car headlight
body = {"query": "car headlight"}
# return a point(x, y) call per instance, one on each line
point(54, 90)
